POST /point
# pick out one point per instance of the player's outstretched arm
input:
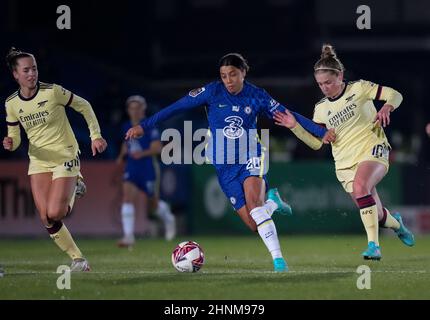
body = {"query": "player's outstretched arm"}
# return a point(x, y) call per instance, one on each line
point(287, 119)
point(272, 106)
point(195, 98)
point(98, 144)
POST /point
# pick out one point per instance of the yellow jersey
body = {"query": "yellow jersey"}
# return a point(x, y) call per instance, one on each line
point(43, 117)
point(352, 116)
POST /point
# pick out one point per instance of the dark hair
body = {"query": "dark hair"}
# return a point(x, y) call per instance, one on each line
point(235, 60)
point(13, 55)
point(328, 61)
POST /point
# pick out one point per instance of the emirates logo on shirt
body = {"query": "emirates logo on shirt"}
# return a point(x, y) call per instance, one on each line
point(34, 119)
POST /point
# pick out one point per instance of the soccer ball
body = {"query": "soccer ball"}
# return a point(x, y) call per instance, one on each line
point(188, 256)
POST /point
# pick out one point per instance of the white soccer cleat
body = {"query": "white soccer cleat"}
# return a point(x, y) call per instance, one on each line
point(80, 265)
point(81, 188)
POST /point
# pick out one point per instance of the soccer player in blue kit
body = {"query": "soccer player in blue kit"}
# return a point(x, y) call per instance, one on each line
point(142, 173)
point(233, 105)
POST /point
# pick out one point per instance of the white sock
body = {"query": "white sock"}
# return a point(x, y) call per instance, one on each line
point(163, 212)
point(267, 230)
point(127, 215)
point(271, 206)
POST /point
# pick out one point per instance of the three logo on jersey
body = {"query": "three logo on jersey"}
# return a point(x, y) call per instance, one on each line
point(234, 130)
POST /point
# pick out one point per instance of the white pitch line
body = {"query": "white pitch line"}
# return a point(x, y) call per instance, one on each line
point(225, 272)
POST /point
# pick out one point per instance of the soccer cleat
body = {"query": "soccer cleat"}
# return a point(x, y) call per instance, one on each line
point(283, 207)
point(170, 228)
point(373, 252)
point(81, 188)
point(80, 265)
point(403, 233)
point(126, 242)
point(279, 265)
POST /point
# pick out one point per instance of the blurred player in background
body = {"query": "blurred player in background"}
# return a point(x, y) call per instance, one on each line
point(428, 129)
point(233, 106)
point(361, 148)
point(53, 150)
point(142, 173)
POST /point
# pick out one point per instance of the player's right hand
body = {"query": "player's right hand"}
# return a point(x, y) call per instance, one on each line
point(8, 143)
point(134, 133)
point(286, 119)
point(329, 137)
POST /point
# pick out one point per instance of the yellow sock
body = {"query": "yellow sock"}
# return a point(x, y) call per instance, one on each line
point(369, 217)
point(388, 221)
point(64, 240)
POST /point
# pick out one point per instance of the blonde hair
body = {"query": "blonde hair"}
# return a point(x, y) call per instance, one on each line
point(328, 61)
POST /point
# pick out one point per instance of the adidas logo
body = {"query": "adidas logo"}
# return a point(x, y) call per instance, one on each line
point(21, 111)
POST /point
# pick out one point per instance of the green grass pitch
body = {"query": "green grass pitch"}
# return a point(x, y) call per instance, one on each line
point(321, 267)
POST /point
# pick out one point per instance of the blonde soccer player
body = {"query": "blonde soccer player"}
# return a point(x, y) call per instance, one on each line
point(53, 150)
point(361, 148)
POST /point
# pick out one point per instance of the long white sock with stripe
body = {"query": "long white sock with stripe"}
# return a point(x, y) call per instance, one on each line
point(267, 230)
point(271, 206)
point(127, 215)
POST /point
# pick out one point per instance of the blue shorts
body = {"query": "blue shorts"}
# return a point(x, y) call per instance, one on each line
point(233, 187)
point(147, 184)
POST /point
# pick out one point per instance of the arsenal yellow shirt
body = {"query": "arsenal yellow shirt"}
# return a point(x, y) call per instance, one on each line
point(352, 115)
point(45, 122)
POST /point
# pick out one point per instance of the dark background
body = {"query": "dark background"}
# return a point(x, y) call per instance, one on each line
point(162, 49)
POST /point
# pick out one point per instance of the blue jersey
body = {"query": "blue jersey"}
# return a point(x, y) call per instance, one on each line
point(231, 117)
point(143, 165)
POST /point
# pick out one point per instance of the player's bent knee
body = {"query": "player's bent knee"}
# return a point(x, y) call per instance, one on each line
point(360, 189)
point(57, 213)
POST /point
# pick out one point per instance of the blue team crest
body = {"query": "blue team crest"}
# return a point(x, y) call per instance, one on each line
point(234, 130)
point(194, 93)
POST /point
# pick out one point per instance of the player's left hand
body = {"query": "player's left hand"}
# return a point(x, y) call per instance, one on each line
point(98, 145)
point(285, 119)
point(329, 137)
point(383, 116)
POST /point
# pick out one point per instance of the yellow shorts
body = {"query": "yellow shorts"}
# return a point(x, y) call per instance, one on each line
point(379, 153)
point(66, 169)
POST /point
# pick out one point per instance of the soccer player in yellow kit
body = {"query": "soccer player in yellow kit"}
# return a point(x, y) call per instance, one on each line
point(361, 148)
point(53, 150)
